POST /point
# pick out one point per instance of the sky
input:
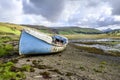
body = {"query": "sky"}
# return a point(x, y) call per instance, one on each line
point(55, 13)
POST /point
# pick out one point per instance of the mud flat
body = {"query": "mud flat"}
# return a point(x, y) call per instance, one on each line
point(71, 64)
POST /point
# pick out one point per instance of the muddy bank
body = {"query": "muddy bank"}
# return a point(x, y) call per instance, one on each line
point(107, 46)
point(71, 64)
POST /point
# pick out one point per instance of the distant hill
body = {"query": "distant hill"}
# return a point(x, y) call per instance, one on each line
point(115, 32)
point(40, 27)
point(75, 30)
point(8, 28)
point(107, 30)
point(65, 30)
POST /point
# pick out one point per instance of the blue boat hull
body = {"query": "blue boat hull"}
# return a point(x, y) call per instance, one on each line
point(31, 45)
point(35, 43)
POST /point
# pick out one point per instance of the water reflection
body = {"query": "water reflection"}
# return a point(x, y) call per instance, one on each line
point(106, 44)
point(105, 48)
point(97, 40)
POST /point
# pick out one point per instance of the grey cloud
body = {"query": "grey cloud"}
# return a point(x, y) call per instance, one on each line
point(116, 7)
point(95, 5)
point(92, 3)
point(94, 23)
point(53, 10)
point(50, 9)
point(108, 21)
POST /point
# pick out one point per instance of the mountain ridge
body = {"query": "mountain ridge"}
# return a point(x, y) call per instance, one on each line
point(16, 29)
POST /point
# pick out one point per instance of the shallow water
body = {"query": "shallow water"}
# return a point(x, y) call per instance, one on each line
point(114, 44)
point(105, 48)
point(97, 40)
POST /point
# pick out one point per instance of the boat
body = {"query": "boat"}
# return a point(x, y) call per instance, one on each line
point(35, 42)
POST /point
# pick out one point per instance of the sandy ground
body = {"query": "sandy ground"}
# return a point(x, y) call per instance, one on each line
point(72, 64)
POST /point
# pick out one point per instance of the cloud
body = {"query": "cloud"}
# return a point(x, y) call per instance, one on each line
point(84, 13)
point(50, 9)
point(10, 11)
point(90, 13)
point(116, 7)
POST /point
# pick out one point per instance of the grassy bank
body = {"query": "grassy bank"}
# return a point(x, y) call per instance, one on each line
point(84, 36)
point(110, 43)
point(10, 28)
point(90, 36)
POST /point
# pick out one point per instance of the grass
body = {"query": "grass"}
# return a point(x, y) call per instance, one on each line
point(7, 45)
point(105, 43)
point(114, 53)
point(82, 68)
point(85, 36)
point(5, 39)
point(6, 72)
point(118, 34)
point(5, 49)
point(89, 36)
point(89, 49)
point(76, 30)
point(9, 30)
point(90, 43)
point(66, 33)
point(97, 70)
point(45, 31)
point(103, 63)
point(101, 67)
point(27, 68)
point(18, 27)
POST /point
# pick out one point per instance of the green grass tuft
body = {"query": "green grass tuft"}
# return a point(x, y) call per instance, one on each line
point(5, 49)
point(6, 72)
point(97, 70)
point(103, 62)
point(82, 68)
point(27, 68)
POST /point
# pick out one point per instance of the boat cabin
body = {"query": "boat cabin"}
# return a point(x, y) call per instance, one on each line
point(59, 40)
